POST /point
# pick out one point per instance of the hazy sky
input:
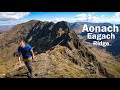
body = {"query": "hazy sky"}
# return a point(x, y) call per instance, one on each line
point(10, 18)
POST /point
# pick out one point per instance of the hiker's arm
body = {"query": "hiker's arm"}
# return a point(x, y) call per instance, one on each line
point(32, 53)
point(19, 53)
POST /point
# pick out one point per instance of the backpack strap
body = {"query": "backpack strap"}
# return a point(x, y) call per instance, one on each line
point(26, 44)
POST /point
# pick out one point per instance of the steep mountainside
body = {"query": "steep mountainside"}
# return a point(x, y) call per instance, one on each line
point(114, 49)
point(60, 52)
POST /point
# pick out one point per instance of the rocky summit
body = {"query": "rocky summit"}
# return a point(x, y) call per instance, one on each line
point(59, 53)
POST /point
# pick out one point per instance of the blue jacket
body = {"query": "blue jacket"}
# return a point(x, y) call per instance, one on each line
point(25, 51)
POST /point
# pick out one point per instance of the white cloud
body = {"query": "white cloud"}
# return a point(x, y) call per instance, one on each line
point(81, 17)
point(58, 20)
point(117, 15)
point(70, 20)
point(115, 18)
point(91, 17)
point(5, 16)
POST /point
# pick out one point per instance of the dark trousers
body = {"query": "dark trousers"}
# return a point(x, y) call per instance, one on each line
point(29, 66)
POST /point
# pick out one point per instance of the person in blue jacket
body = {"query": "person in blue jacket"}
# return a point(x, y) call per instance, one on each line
point(26, 51)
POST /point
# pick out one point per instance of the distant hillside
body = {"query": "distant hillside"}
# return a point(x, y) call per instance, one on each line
point(78, 26)
point(114, 49)
point(115, 44)
point(5, 28)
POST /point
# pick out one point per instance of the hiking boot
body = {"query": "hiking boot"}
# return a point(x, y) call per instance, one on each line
point(30, 75)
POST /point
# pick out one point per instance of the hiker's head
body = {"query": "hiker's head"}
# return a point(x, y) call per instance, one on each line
point(22, 43)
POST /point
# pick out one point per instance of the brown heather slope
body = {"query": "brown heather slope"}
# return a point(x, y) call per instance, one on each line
point(60, 52)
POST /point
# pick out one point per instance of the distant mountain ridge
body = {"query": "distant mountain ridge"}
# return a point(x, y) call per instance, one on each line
point(78, 26)
point(4, 28)
point(113, 49)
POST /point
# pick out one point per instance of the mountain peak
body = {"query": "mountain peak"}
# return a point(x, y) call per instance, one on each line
point(33, 20)
point(63, 24)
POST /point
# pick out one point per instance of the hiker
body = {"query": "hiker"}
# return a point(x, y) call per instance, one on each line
point(27, 54)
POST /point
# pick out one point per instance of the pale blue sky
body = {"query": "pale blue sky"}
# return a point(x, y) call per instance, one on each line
point(9, 18)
